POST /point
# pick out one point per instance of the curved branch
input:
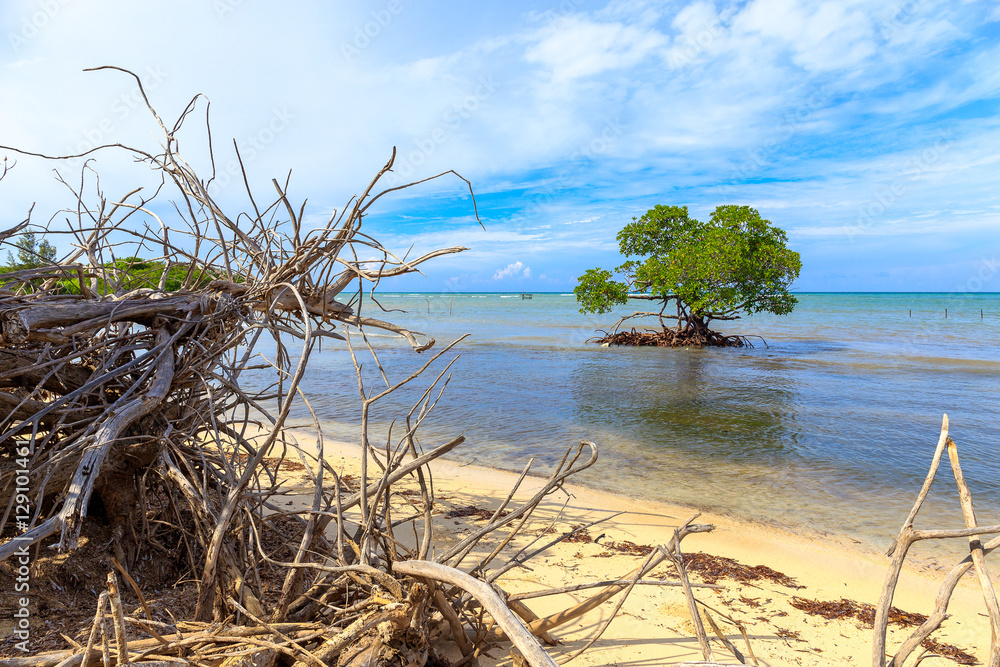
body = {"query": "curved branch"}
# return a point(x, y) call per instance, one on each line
point(491, 601)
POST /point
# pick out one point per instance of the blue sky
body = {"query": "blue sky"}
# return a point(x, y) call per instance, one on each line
point(867, 130)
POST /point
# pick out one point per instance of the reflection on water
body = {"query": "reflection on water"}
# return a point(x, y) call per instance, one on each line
point(679, 399)
point(831, 425)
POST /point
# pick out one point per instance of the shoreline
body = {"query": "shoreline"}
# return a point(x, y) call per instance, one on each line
point(654, 624)
point(941, 511)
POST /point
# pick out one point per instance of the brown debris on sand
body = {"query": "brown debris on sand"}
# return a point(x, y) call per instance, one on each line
point(949, 651)
point(862, 611)
point(865, 613)
point(714, 568)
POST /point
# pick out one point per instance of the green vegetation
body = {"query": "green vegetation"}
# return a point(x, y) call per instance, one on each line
point(735, 263)
point(132, 273)
point(122, 275)
point(135, 273)
point(31, 253)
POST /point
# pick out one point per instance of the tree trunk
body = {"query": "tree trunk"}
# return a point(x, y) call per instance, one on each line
point(696, 328)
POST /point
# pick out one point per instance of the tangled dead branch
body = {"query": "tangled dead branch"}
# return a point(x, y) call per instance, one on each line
point(121, 383)
point(112, 364)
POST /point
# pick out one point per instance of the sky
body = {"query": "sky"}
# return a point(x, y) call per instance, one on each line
point(867, 130)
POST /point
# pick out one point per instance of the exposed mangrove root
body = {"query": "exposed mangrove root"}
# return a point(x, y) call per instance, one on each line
point(690, 329)
point(671, 338)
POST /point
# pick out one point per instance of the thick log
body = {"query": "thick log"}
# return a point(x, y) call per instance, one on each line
point(22, 368)
point(19, 323)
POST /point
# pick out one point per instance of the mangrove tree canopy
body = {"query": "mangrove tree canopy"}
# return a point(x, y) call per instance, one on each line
point(735, 263)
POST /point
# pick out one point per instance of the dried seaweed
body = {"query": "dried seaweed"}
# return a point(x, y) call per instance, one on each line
point(628, 548)
point(949, 651)
point(714, 568)
point(580, 536)
point(862, 611)
point(865, 613)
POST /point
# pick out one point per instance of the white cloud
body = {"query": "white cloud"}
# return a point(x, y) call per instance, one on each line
point(824, 36)
point(512, 271)
point(576, 47)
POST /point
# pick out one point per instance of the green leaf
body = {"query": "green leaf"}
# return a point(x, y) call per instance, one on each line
point(597, 293)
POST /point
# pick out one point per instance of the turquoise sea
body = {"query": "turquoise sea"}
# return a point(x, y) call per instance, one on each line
point(830, 425)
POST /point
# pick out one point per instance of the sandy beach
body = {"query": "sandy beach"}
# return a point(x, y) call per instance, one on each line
point(654, 625)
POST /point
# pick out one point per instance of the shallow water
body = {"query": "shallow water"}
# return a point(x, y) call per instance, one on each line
point(831, 425)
